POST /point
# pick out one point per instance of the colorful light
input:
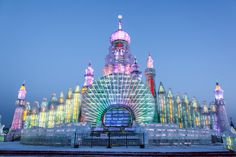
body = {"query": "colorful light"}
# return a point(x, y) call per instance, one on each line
point(121, 90)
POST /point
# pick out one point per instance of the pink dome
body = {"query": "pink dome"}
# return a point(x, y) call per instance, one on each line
point(120, 35)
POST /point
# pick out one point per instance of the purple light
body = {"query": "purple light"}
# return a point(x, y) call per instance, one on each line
point(21, 94)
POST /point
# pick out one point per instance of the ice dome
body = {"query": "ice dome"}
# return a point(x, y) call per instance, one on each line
point(120, 34)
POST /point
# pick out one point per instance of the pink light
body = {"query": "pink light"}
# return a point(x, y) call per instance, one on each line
point(115, 68)
point(21, 94)
point(120, 35)
point(17, 119)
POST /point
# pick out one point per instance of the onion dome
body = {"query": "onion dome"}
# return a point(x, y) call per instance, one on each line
point(120, 34)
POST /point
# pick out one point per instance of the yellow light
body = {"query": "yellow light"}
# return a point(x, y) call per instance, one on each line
point(22, 87)
point(218, 87)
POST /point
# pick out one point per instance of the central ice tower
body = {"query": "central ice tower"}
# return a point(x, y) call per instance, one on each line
point(119, 59)
point(118, 99)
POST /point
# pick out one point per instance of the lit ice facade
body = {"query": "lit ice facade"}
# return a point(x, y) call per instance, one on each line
point(119, 100)
point(56, 111)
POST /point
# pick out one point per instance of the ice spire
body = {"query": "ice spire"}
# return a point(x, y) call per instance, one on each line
point(135, 70)
point(170, 107)
point(162, 103)
point(89, 76)
point(150, 74)
point(120, 24)
point(18, 118)
point(77, 89)
point(170, 94)
point(149, 61)
point(222, 118)
point(161, 89)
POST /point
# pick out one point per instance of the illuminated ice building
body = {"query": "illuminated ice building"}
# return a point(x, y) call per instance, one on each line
point(119, 103)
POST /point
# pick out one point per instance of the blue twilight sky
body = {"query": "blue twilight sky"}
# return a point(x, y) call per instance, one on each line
point(49, 44)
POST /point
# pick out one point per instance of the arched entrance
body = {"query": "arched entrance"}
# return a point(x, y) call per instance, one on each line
point(118, 116)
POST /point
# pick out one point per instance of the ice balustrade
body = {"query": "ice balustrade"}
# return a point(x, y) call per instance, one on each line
point(59, 135)
point(171, 134)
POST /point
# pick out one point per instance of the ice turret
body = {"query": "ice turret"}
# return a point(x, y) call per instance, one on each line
point(43, 113)
point(52, 110)
point(150, 74)
point(88, 76)
point(34, 119)
point(162, 103)
point(136, 73)
point(178, 116)
point(68, 106)
point(18, 119)
point(60, 116)
point(76, 104)
point(222, 119)
point(186, 112)
point(170, 107)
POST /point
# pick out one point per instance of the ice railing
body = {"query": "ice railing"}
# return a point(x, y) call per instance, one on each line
point(59, 135)
point(171, 134)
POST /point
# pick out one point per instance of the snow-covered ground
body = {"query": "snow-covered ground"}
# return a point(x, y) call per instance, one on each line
point(193, 148)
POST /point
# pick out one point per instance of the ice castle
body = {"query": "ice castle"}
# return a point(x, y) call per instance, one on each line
point(119, 104)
